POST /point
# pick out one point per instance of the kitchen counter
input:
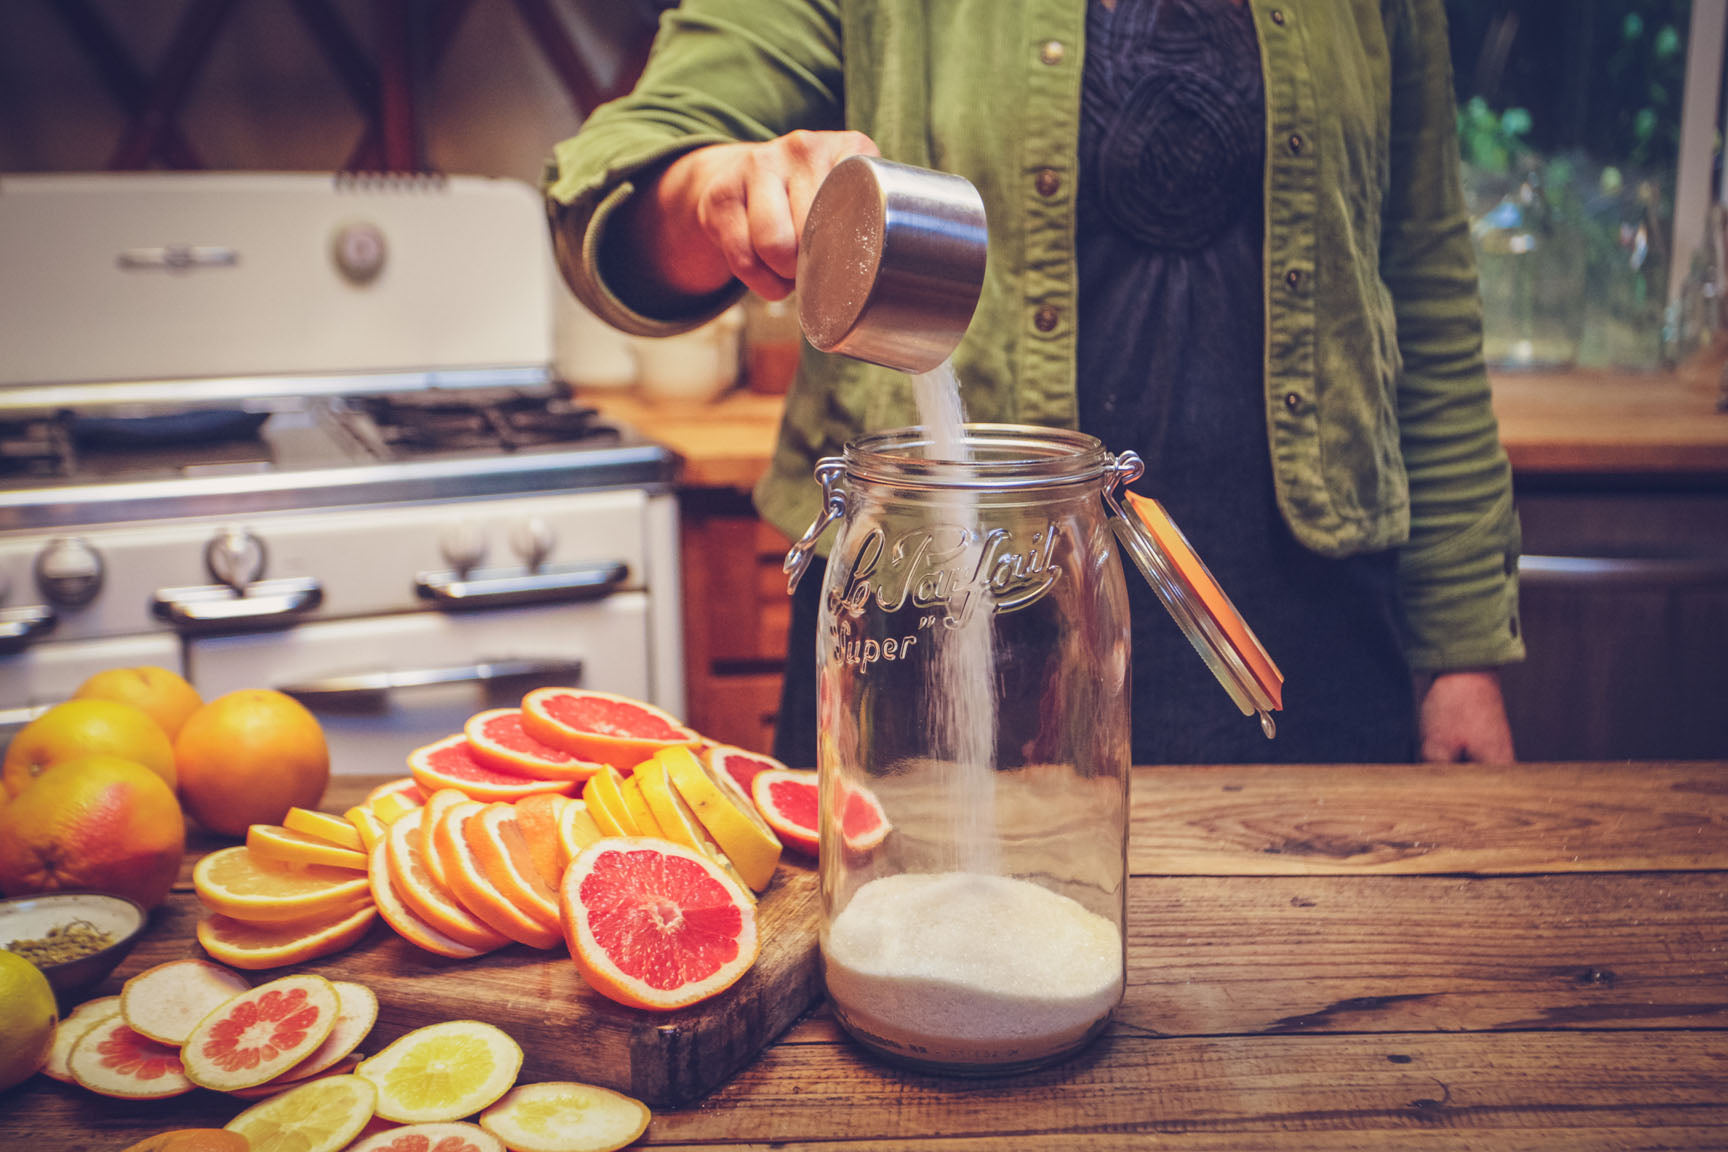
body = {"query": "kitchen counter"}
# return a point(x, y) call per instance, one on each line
point(1345, 958)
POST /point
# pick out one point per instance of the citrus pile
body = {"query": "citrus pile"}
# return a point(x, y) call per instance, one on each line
point(292, 1044)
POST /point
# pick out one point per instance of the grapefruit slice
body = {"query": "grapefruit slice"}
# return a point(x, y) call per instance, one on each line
point(237, 883)
point(788, 800)
point(498, 740)
point(456, 1136)
point(71, 1028)
point(728, 815)
point(432, 902)
point(565, 1117)
point(322, 1115)
point(356, 1012)
point(400, 917)
point(602, 726)
point(240, 944)
point(443, 1072)
point(653, 924)
point(286, 846)
point(260, 1034)
point(342, 1067)
point(475, 886)
point(113, 1060)
point(450, 763)
point(166, 1002)
point(738, 764)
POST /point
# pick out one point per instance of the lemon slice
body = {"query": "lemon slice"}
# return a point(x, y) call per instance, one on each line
point(324, 826)
point(604, 795)
point(321, 1116)
point(640, 814)
point(731, 819)
point(443, 1071)
point(367, 825)
point(286, 846)
point(677, 820)
point(565, 1117)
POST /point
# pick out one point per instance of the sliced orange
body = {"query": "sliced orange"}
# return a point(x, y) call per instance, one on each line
point(450, 763)
point(400, 917)
point(576, 830)
point(286, 846)
point(443, 1071)
point(253, 946)
point(728, 816)
point(475, 887)
point(654, 924)
point(324, 826)
point(323, 1115)
point(405, 786)
point(602, 726)
point(604, 795)
point(368, 825)
point(496, 842)
point(537, 816)
point(429, 899)
point(239, 884)
point(677, 821)
point(497, 739)
point(563, 1116)
point(261, 1033)
point(392, 806)
point(437, 804)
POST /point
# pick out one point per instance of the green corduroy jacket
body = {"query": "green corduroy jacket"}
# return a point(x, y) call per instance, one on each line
point(1380, 427)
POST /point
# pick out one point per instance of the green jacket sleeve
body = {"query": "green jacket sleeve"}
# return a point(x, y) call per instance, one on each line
point(1459, 569)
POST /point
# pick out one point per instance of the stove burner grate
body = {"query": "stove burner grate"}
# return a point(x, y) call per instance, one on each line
point(411, 425)
point(37, 447)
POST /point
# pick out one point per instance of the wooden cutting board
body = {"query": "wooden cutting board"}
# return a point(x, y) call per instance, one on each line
point(567, 1031)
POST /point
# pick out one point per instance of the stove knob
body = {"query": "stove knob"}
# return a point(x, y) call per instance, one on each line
point(463, 546)
point(532, 541)
point(69, 572)
point(359, 251)
point(235, 557)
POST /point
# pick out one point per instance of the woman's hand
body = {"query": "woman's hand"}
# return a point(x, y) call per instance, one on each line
point(1463, 718)
point(731, 210)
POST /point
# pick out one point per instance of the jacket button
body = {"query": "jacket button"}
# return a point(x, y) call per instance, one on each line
point(1293, 279)
point(1296, 144)
point(1278, 17)
point(1293, 400)
point(1052, 52)
point(1048, 182)
point(1045, 318)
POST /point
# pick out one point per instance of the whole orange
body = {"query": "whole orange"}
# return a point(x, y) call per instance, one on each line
point(248, 757)
point(80, 728)
point(193, 1140)
point(98, 823)
point(163, 695)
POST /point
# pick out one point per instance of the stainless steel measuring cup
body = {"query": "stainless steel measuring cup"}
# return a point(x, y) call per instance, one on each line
point(891, 263)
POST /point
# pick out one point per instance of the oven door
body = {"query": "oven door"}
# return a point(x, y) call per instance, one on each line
point(384, 686)
point(34, 680)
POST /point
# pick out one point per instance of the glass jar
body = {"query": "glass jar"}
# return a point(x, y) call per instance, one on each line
point(974, 747)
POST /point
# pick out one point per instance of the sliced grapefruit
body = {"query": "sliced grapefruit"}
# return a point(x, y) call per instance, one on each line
point(71, 1028)
point(738, 764)
point(404, 786)
point(654, 924)
point(407, 924)
point(237, 883)
point(443, 1072)
point(450, 763)
point(565, 1117)
point(500, 742)
point(166, 1002)
point(728, 815)
point(477, 889)
point(788, 799)
point(356, 1012)
point(602, 726)
point(322, 1115)
point(113, 1060)
point(260, 1034)
point(252, 946)
point(454, 1136)
point(343, 1067)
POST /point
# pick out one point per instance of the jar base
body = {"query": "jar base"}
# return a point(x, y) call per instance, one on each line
point(971, 1060)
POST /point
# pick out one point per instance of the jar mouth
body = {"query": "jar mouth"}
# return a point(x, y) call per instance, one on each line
point(1003, 456)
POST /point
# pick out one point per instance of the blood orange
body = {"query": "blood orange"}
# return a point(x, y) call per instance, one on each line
point(788, 800)
point(738, 763)
point(602, 726)
point(498, 740)
point(450, 763)
point(654, 924)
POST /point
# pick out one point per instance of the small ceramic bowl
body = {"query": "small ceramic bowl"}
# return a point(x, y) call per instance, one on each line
point(32, 917)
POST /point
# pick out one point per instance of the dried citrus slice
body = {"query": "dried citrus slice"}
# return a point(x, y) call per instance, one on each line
point(602, 726)
point(640, 814)
point(336, 829)
point(253, 946)
point(739, 764)
point(235, 882)
point(73, 1026)
point(604, 795)
point(436, 805)
point(455, 1136)
point(113, 1060)
point(497, 739)
point(576, 830)
point(399, 916)
point(450, 763)
point(286, 846)
point(654, 924)
point(676, 818)
point(565, 1117)
point(430, 900)
point(166, 1002)
point(479, 890)
point(321, 1115)
point(537, 816)
point(405, 787)
point(728, 815)
point(443, 1071)
point(260, 1034)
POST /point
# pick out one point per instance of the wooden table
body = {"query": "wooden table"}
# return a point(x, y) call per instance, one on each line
point(1325, 957)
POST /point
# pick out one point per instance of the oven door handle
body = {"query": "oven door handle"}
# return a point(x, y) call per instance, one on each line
point(216, 607)
point(22, 627)
point(372, 688)
point(503, 587)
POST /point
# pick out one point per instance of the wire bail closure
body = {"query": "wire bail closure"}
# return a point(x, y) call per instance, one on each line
point(829, 469)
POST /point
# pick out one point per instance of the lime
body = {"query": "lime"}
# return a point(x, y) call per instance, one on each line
point(27, 1018)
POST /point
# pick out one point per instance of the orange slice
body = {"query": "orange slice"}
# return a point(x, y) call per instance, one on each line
point(406, 787)
point(368, 825)
point(602, 726)
point(576, 830)
point(604, 795)
point(475, 887)
point(565, 1117)
point(336, 829)
point(537, 816)
point(497, 739)
point(392, 806)
point(166, 1002)
point(496, 842)
point(729, 817)
point(322, 1115)
point(286, 846)
point(260, 1034)
point(253, 946)
point(239, 884)
point(443, 1071)
point(400, 917)
point(450, 763)
point(437, 804)
point(429, 899)
point(654, 924)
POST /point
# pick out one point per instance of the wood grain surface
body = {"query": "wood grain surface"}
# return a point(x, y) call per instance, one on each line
point(1529, 957)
